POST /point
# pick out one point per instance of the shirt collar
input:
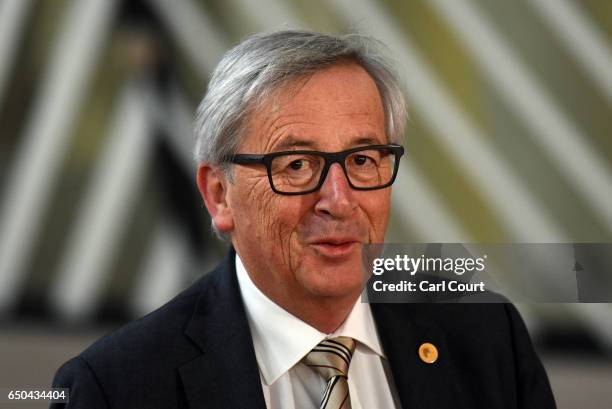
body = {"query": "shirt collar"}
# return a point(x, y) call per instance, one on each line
point(281, 339)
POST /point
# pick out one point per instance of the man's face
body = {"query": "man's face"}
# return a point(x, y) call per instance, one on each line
point(308, 247)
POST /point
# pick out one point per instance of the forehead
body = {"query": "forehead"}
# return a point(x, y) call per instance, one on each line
point(335, 106)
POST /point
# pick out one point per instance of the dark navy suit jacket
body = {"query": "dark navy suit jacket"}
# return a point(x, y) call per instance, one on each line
point(197, 352)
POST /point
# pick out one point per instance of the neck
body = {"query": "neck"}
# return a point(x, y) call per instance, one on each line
point(326, 314)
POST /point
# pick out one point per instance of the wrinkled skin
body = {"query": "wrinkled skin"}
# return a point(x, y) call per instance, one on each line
point(304, 252)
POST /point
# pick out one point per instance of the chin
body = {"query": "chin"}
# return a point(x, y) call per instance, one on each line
point(332, 278)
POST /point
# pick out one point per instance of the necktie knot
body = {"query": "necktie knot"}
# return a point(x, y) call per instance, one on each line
point(331, 357)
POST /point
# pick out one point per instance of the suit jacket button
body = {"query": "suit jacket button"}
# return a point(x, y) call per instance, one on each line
point(428, 353)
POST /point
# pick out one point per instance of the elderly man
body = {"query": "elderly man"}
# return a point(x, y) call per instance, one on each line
point(297, 151)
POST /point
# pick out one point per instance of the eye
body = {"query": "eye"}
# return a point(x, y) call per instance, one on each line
point(360, 160)
point(296, 164)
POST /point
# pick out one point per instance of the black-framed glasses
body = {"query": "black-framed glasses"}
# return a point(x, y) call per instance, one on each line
point(303, 171)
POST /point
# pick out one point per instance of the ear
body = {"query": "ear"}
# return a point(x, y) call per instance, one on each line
point(213, 189)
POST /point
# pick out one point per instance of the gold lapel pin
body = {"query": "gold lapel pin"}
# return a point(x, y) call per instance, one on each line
point(428, 353)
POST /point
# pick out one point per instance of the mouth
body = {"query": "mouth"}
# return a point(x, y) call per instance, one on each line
point(335, 247)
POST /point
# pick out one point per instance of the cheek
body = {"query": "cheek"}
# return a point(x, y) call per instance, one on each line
point(271, 225)
point(265, 214)
point(376, 207)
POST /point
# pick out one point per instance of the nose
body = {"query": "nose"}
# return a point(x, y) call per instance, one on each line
point(336, 197)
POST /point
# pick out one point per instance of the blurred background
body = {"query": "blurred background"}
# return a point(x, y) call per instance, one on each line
point(509, 140)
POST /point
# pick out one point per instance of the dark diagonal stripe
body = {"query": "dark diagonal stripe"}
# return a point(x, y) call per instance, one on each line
point(348, 351)
point(328, 351)
point(335, 348)
point(344, 400)
point(330, 386)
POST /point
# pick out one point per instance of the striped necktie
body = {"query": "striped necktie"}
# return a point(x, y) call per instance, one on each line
point(331, 359)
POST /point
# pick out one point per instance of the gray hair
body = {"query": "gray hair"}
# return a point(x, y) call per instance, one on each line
point(263, 63)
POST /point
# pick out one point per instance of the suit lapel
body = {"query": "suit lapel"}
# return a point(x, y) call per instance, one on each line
point(419, 385)
point(226, 375)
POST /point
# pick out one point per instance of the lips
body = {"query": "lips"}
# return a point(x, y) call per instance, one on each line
point(335, 247)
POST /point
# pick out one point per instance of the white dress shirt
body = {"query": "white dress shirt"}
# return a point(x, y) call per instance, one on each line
point(281, 340)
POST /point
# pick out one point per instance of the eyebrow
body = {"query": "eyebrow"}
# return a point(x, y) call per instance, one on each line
point(294, 142)
point(368, 140)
